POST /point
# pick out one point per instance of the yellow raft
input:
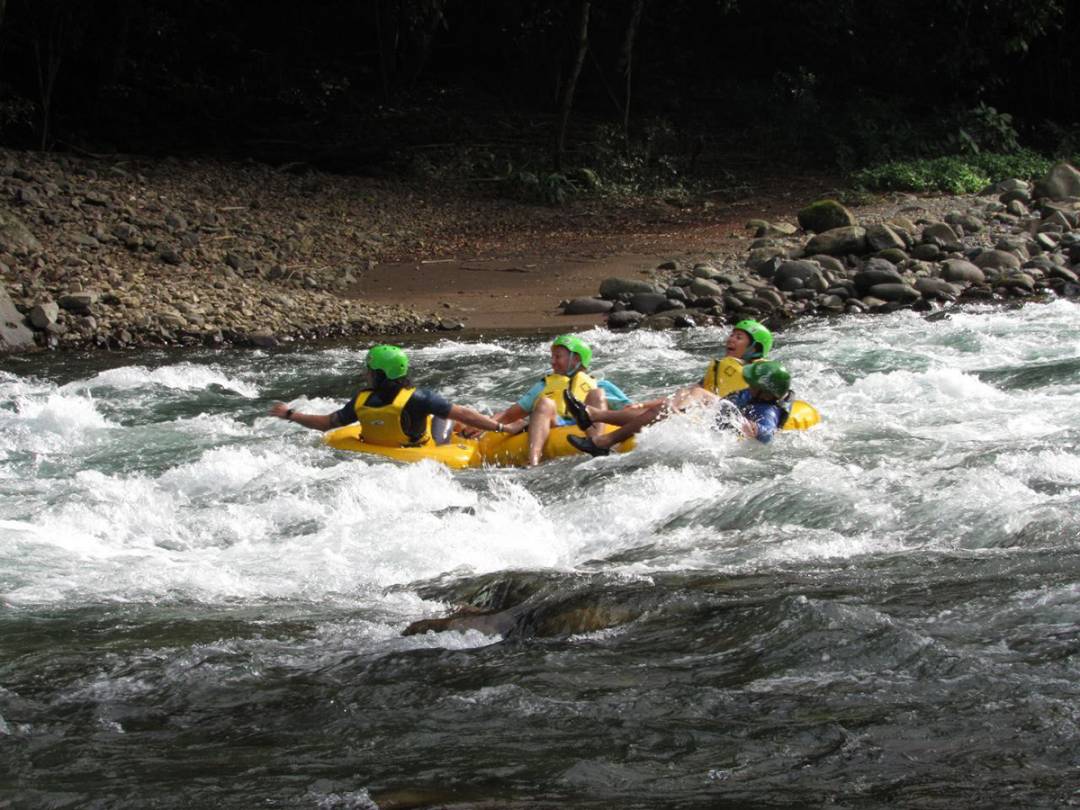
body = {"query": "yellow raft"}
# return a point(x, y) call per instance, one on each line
point(801, 416)
point(491, 449)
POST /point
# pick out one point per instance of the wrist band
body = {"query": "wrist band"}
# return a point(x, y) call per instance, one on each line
point(289, 413)
point(498, 427)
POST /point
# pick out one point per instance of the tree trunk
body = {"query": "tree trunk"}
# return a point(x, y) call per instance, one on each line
point(387, 32)
point(48, 60)
point(626, 62)
point(432, 13)
point(571, 83)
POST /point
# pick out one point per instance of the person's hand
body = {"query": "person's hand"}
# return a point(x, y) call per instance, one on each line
point(515, 427)
point(280, 410)
point(467, 431)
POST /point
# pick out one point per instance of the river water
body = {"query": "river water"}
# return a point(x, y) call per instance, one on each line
point(201, 606)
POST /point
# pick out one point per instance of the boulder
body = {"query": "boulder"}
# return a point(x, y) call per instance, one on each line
point(962, 272)
point(15, 336)
point(1061, 182)
point(825, 215)
point(761, 227)
point(838, 242)
point(876, 271)
point(612, 287)
point(44, 315)
point(762, 259)
point(966, 223)
point(936, 288)
point(997, 260)
point(704, 271)
point(626, 319)
point(586, 306)
point(926, 253)
point(795, 275)
point(895, 293)
point(942, 235)
point(80, 303)
point(702, 287)
point(15, 237)
point(1021, 282)
point(649, 302)
point(881, 237)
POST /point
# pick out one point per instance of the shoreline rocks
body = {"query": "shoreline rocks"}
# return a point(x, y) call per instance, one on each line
point(1014, 241)
point(149, 254)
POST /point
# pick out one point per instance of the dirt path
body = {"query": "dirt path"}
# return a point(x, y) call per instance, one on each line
point(514, 281)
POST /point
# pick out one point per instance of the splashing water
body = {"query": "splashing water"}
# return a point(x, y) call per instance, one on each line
point(204, 605)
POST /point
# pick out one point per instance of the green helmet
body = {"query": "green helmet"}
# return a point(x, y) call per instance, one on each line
point(575, 345)
point(761, 337)
point(768, 376)
point(390, 360)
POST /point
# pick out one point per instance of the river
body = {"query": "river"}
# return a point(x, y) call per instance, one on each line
point(201, 606)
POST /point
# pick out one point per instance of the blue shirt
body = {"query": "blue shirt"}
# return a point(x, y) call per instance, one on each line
point(418, 407)
point(766, 415)
point(615, 397)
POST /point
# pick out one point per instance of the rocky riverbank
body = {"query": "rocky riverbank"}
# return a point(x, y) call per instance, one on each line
point(121, 252)
point(1016, 240)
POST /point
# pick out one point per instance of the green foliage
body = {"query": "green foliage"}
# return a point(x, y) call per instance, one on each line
point(956, 174)
point(648, 164)
point(15, 112)
point(983, 128)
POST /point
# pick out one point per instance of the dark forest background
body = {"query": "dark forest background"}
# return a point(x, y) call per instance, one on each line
point(618, 89)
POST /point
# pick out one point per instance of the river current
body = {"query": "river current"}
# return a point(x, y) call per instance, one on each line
point(201, 606)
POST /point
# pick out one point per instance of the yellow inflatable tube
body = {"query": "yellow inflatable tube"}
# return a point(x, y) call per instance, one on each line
point(492, 449)
point(801, 416)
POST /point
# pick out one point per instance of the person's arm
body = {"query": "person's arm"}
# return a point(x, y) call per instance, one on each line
point(526, 403)
point(763, 424)
point(459, 413)
point(616, 399)
point(314, 421)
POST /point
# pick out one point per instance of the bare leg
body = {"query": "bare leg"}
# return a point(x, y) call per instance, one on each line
point(679, 401)
point(540, 424)
point(595, 399)
point(621, 416)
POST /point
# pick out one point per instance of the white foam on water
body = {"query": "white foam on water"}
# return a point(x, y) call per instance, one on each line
point(51, 423)
point(179, 377)
point(265, 523)
point(919, 452)
point(1053, 466)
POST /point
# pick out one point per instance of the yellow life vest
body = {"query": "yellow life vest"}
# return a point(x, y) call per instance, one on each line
point(580, 384)
point(724, 376)
point(382, 424)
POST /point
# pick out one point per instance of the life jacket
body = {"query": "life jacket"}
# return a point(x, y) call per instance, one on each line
point(382, 424)
point(724, 376)
point(579, 383)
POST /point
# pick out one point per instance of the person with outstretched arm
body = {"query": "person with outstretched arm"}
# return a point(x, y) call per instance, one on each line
point(394, 413)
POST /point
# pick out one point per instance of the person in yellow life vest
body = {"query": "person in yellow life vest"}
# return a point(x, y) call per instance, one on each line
point(393, 412)
point(761, 404)
point(544, 403)
point(749, 342)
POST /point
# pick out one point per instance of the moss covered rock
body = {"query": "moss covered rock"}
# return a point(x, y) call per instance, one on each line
point(824, 215)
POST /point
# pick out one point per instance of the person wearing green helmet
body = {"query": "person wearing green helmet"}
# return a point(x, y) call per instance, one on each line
point(392, 411)
point(749, 342)
point(544, 405)
point(760, 404)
